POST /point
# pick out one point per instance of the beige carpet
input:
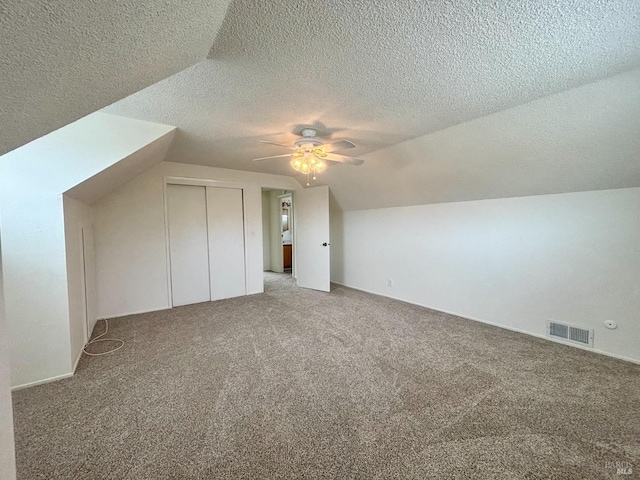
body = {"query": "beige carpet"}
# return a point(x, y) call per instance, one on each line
point(302, 384)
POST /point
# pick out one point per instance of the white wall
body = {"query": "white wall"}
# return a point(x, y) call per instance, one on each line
point(32, 180)
point(35, 287)
point(513, 262)
point(266, 231)
point(76, 216)
point(7, 447)
point(131, 248)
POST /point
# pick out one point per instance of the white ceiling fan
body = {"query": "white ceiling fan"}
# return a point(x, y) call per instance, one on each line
point(309, 154)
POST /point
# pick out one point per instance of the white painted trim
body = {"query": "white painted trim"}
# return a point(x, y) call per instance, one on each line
point(486, 322)
point(245, 229)
point(293, 224)
point(167, 246)
point(41, 382)
point(202, 182)
point(287, 188)
point(134, 313)
point(75, 365)
point(85, 327)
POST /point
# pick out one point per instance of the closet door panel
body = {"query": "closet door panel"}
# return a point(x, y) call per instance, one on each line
point(226, 242)
point(188, 245)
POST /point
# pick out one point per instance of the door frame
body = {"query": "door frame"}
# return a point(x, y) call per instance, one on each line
point(83, 252)
point(291, 191)
point(89, 295)
point(200, 182)
point(292, 228)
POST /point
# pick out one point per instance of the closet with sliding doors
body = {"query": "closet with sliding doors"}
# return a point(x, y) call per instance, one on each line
point(206, 243)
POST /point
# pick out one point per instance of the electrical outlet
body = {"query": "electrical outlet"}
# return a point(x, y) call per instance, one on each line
point(389, 283)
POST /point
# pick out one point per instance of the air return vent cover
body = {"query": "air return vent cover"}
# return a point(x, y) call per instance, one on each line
point(570, 333)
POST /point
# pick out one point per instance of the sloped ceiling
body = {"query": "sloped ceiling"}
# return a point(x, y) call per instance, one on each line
point(381, 73)
point(119, 173)
point(105, 150)
point(586, 138)
point(60, 61)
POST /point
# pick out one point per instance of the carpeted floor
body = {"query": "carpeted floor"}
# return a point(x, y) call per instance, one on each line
point(296, 383)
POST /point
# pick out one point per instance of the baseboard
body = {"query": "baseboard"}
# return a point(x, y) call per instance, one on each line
point(119, 315)
point(493, 324)
point(52, 379)
point(41, 382)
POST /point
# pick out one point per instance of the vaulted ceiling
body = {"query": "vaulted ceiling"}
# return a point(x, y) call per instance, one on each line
point(65, 59)
point(446, 101)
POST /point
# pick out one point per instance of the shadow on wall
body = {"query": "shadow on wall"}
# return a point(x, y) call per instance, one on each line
point(7, 449)
point(336, 219)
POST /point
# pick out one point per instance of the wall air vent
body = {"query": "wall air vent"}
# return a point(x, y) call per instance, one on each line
point(570, 333)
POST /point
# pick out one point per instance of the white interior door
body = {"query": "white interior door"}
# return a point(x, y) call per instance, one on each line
point(226, 242)
point(312, 238)
point(188, 245)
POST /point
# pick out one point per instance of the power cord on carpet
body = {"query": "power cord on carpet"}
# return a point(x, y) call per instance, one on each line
point(100, 339)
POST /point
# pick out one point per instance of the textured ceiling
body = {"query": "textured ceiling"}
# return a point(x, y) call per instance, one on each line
point(586, 138)
point(62, 60)
point(380, 73)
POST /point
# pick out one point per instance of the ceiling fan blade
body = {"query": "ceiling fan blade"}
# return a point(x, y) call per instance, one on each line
point(334, 157)
point(269, 158)
point(337, 145)
point(277, 144)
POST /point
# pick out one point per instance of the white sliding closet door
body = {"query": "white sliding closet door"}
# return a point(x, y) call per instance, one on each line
point(188, 245)
point(226, 242)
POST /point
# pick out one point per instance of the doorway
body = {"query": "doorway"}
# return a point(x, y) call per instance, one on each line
point(286, 232)
point(277, 231)
point(298, 221)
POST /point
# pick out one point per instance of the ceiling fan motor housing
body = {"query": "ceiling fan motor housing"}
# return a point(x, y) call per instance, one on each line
point(308, 138)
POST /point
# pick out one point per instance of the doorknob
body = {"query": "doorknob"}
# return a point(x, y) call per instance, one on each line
point(325, 244)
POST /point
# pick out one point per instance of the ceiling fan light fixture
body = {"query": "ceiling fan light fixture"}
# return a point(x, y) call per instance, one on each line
point(306, 161)
point(309, 155)
point(304, 168)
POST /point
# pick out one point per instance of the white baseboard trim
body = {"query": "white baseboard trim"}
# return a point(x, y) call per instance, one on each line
point(475, 319)
point(119, 315)
point(41, 382)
